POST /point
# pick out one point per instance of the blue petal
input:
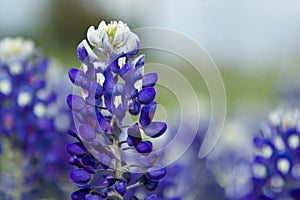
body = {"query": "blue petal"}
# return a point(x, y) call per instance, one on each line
point(93, 197)
point(144, 147)
point(87, 133)
point(149, 80)
point(80, 194)
point(42, 66)
point(114, 66)
point(96, 89)
point(76, 149)
point(77, 77)
point(109, 80)
point(105, 160)
point(85, 53)
point(80, 176)
point(134, 107)
point(134, 135)
point(109, 180)
point(39, 84)
point(138, 61)
point(82, 52)
point(151, 197)
point(75, 102)
point(101, 121)
point(108, 99)
point(146, 95)
point(157, 174)
point(147, 113)
point(120, 110)
point(155, 129)
point(127, 68)
point(120, 188)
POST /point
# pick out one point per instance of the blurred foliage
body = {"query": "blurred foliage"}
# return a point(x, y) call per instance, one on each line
point(64, 25)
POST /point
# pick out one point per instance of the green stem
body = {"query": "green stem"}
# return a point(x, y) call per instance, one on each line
point(18, 174)
point(116, 147)
point(133, 186)
point(117, 152)
point(12, 165)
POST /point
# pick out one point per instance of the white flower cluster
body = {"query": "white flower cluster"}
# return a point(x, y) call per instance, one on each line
point(12, 49)
point(285, 118)
point(114, 38)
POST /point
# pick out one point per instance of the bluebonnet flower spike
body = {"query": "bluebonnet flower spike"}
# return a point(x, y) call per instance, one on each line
point(114, 87)
point(31, 115)
point(275, 167)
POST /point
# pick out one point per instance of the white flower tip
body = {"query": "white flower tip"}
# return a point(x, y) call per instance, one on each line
point(16, 49)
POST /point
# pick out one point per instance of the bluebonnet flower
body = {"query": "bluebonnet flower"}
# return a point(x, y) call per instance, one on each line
point(30, 131)
point(111, 150)
point(188, 177)
point(276, 164)
point(230, 159)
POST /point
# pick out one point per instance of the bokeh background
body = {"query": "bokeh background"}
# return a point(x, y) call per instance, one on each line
point(254, 43)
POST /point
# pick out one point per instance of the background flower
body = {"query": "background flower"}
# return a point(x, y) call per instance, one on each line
point(31, 134)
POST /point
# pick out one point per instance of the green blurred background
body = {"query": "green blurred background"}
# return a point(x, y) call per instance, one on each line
point(254, 43)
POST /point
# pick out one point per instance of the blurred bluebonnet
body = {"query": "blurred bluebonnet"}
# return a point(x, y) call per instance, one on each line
point(264, 166)
point(230, 159)
point(114, 87)
point(276, 165)
point(31, 134)
point(188, 177)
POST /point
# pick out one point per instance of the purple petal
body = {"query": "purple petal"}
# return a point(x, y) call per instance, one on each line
point(120, 110)
point(153, 196)
point(138, 61)
point(39, 84)
point(120, 188)
point(261, 160)
point(108, 99)
point(109, 80)
point(82, 52)
point(146, 95)
point(155, 129)
point(134, 107)
point(95, 89)
point(76, 149)
point(114, 66)
point(144, 147)
point(73, 134)
point(80, 194)
point(109, 180)
point(101, 121)
point(87, 133)
point(80, 176)
point(126, 69)
point(93, 197)
point(75, 76)
point(134, 135)
point(105, 160)
point(151, 185)
point(74, 160)
point(157, 174)
point(85, 53)
point(147, 113)
point(258, 142)
point(75, 102)
point(42, 66)
point(50, 99)
point(149, 80)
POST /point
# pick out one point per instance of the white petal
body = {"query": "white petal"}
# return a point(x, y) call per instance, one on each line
point(93, 36)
